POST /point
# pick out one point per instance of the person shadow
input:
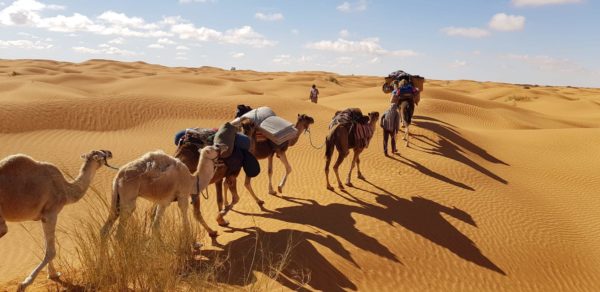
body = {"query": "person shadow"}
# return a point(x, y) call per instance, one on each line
point(452, 145)
point(286, 256)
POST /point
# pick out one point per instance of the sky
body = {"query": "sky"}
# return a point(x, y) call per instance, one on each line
point(545, 42)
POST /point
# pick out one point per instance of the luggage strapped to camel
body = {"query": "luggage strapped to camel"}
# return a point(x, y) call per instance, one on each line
point(359, 129)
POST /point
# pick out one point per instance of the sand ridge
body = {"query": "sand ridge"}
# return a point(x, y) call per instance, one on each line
point(497, 192)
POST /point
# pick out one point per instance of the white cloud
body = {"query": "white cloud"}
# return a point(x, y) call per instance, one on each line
point(369, 46)
point(156, 46)
point(375, 60)
point(237, 55)
point(504, 22)
point(22, 12)
point(182, 48)
point(468, 32)
point(181, 58)
point(76, 22)
point(117, 41)
point(268, 17)
point(360, 5)
point(521, 3)
point(295, 32)
point(122, 20)
point(244, 35)
point(25, 44)
point(283, 59)
point(104, 50)
point(344, 33)
point(165, 41)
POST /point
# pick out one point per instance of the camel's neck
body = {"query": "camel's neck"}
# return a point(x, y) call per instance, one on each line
point(205, 172)
point(188, 154)
point(373, 125)
point(300, 127)
point(76, 189)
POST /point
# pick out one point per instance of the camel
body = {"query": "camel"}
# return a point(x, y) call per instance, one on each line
point(267, 149)
point(33, 190)
point(339, 136)
point(162, 179)
point(188, 153)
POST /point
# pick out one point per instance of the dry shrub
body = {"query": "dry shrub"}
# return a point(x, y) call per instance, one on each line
point(140, 261)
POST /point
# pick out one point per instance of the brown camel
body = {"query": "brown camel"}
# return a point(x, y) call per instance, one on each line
point(340, 137)
point(267, 149)
point(187, 152)
point(33, 190)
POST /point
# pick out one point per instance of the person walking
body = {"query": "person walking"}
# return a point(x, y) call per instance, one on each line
point(314, 94)
point(390, 122)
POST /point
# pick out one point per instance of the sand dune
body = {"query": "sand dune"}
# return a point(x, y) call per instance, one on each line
point(499, 190)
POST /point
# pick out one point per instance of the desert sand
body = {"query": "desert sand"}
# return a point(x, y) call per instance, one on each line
point(499, 190)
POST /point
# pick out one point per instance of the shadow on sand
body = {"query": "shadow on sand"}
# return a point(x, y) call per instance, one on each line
point(261, 251)
point(451, 145)
point(419, 215)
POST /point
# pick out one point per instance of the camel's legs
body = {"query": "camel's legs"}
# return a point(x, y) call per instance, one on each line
point(406, 134)
point(49, 226)
point(3, 227)
point(270, 172)
point(357, 152)
point(341, 156)
point(288, 170)
point(327, 163)
point(182, 202)
point(199, 218)
point(220, 195)
point(127, 208)
point(354, 157)
point(160, 210)
point(248, 185)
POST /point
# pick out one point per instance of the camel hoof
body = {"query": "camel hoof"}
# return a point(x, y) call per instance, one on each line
point(330, 188)
point(272, 192)
point(280, 189)
point(197, 245)
point(360, 176)
point(55, 276)
point(349, 184)
point(225, 223)
point(260, 202)
point(341, 187)
point(213, 234)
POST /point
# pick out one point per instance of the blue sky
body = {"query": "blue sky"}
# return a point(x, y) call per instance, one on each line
point(554, 42)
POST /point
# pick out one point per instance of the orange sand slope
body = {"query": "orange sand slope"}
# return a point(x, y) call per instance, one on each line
point(499, 191)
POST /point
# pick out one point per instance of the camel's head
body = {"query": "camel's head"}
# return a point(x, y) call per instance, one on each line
point(99, 156)
point(373, 116)
point(242, 109)
point(305, 120)
point(213, 152)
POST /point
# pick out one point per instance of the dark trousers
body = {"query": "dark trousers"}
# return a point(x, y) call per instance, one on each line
point(387, 134)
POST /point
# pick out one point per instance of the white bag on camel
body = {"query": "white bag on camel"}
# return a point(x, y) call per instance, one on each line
point(274, 128)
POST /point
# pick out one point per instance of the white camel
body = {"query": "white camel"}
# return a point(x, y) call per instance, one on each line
point(33, 190)
point(162, 179)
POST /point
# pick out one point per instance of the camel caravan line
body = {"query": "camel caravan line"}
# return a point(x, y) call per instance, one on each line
point(37, 191)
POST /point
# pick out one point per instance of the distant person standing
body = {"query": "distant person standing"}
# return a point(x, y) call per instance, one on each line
point(314, 94)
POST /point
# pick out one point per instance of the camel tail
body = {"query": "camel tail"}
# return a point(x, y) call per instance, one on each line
point(115, 204)
point(329, 145)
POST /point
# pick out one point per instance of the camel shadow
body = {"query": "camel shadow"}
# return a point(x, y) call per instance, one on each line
point(424, 217)
point(419, 215)
point(263, 251)
point(451, 145)
point(333, 218)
